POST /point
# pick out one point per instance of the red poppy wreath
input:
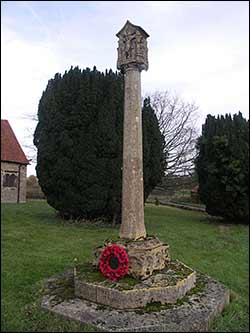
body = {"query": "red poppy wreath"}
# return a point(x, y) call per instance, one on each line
point(114, 262)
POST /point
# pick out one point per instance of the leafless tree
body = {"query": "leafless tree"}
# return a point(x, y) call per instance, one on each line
point(28, 138)
point(177, 120)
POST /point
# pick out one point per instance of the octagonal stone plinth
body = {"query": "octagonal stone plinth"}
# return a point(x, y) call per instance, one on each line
point(194, 313)
point(165, 286)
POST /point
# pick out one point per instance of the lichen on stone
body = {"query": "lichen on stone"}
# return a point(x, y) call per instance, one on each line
point(169, 276)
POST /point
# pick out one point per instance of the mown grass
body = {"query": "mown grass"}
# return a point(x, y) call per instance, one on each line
point(37, 245)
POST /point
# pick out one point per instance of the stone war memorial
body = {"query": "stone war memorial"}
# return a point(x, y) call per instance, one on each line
point(132, 284)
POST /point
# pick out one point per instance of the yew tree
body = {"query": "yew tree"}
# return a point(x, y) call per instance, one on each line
point(79, 139)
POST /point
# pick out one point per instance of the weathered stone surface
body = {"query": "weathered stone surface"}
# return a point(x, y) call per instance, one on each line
point(163, 287)
point(132, 59)
point(132, 47)
point(132, 226)
point(11, 194)
point(60, 287)
point(194, 314)
point(145, 255)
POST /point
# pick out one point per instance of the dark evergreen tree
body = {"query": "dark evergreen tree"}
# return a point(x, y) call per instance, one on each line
point(223, 167)
point(79, 140)
point(154, 159)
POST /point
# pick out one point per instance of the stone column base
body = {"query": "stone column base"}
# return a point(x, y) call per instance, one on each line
point(146, 255)
point(165, 287)
point(193, 313)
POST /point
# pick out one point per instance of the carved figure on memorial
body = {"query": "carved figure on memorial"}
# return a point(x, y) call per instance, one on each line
point(132, 47)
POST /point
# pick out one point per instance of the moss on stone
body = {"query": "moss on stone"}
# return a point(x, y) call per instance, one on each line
point(127, 283)
point(178, 268)
point(64, 294)
point(157, 306)
point(199, 287)
point(60, 287)
point(89, 273)
point(154, 307)
point(174, 271)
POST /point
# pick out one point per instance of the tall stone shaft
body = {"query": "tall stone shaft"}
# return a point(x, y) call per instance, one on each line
point(132, 181)
point(132, 59)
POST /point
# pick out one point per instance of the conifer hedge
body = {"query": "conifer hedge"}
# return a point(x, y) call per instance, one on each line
point(79, 139)
point(222, 166)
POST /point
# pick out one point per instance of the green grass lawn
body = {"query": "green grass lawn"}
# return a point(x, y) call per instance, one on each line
point(37, 245)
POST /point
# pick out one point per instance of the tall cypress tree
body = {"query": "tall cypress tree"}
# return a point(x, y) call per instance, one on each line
point(79, 140)
point(223, 166)
point(154, 159)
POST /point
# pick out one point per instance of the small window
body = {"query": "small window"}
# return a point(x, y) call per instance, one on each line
point(9, 180)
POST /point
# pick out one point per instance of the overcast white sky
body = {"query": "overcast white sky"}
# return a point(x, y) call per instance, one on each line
point(197, 49)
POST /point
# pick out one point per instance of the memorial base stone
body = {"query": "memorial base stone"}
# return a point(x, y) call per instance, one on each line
point(165, 286)
point(193, 313)
point(146, 255)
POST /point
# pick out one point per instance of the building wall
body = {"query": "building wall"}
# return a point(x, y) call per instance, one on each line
point(10, 193)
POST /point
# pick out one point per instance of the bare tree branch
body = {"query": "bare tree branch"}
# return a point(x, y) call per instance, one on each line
point(31, 149)
point(177, 123)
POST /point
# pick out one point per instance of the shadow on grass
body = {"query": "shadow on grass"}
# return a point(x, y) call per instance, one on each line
point(86, 223)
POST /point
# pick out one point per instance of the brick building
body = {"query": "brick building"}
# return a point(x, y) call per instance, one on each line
point(13, 166)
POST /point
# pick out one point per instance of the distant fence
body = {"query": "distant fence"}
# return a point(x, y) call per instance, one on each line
point(185, 198)
point(177, 205)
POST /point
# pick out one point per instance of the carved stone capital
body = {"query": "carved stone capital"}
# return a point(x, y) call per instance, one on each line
point(132, 48)
point(132, 67)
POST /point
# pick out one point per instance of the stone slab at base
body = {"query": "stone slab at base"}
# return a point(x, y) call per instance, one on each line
point(165, 286)
point(194, 314)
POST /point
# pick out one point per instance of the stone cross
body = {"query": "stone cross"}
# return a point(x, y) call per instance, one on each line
point(132, 59)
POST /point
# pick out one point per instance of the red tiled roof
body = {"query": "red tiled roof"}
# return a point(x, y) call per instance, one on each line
point(11, 150)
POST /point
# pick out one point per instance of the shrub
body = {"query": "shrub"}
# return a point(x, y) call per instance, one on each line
point(79, 140)
point(222, 166)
